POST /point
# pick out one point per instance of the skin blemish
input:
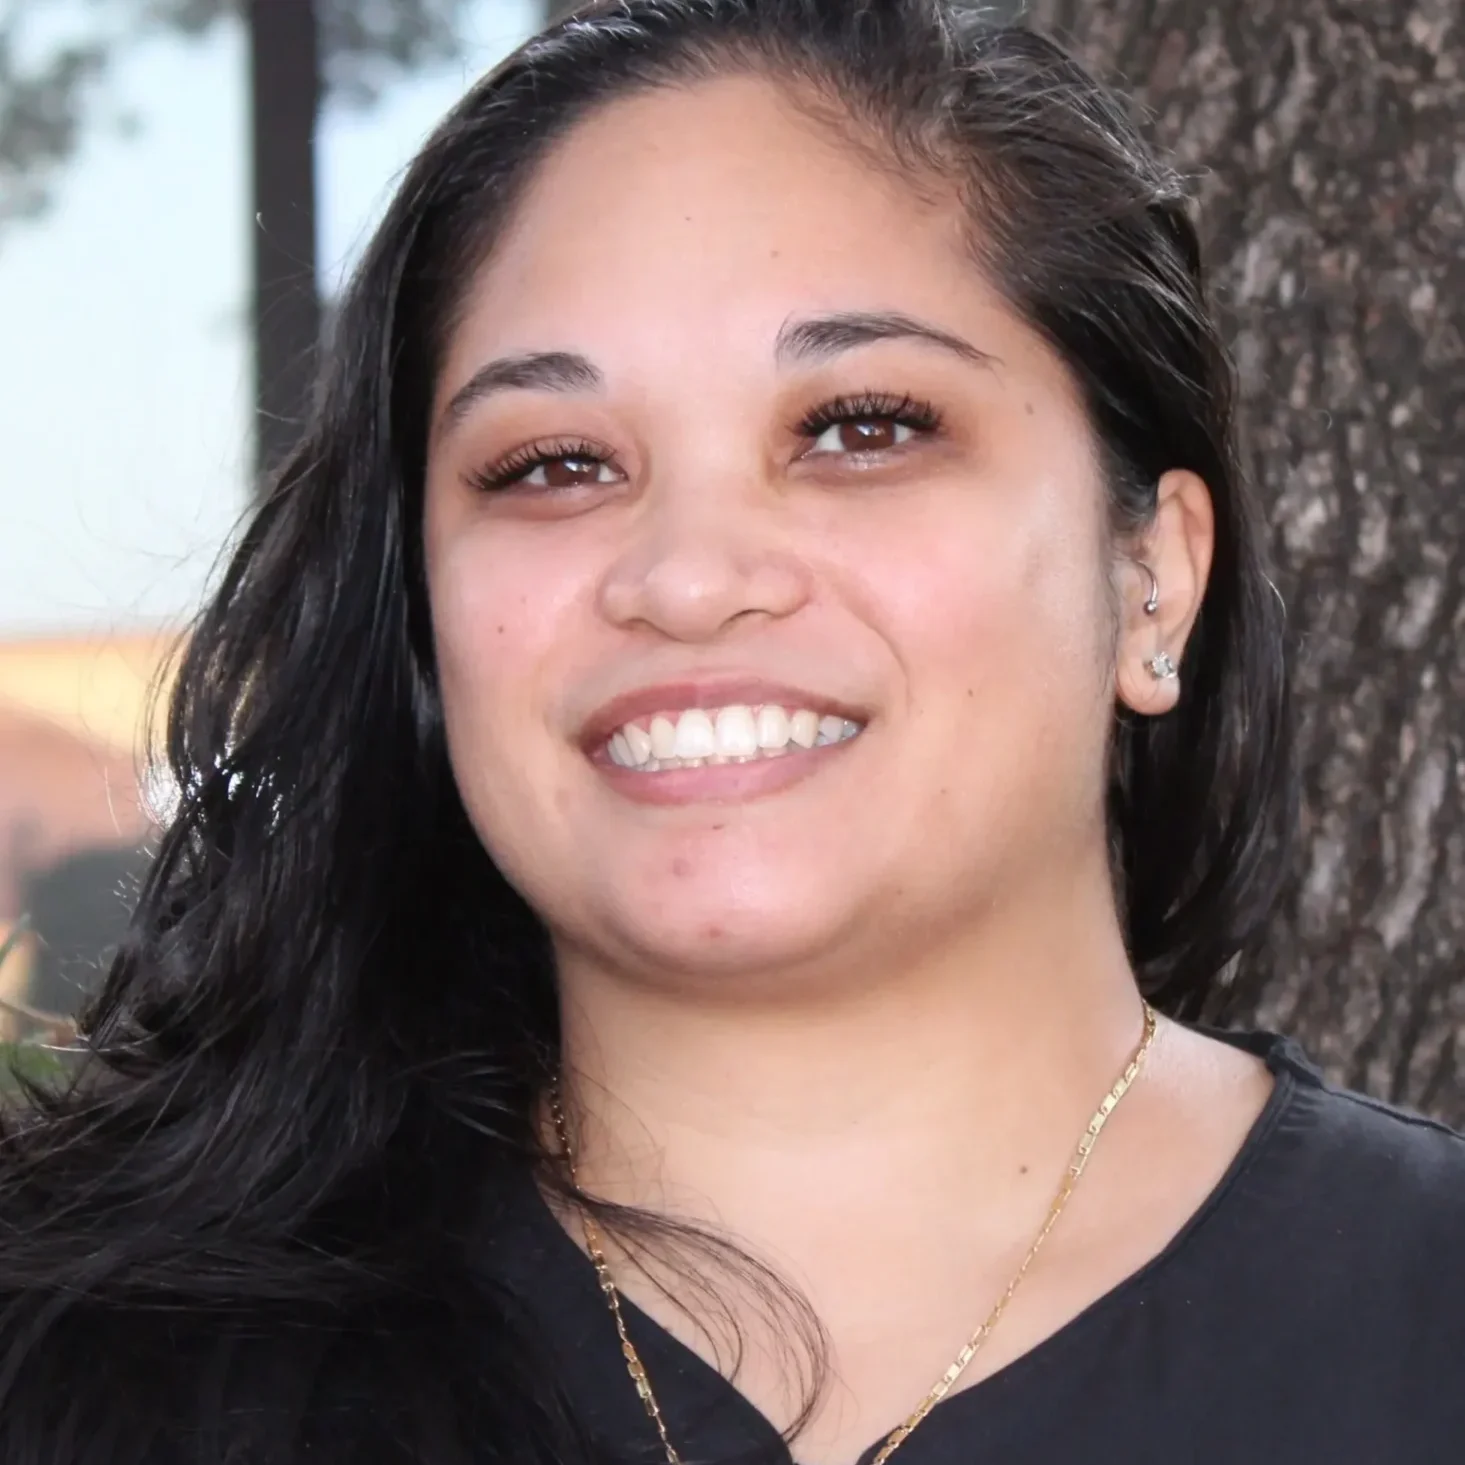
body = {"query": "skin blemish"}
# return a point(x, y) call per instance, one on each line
point(681, 867)
point(1028, 408)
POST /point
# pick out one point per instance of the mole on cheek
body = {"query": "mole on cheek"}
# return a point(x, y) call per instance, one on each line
point(681, 867)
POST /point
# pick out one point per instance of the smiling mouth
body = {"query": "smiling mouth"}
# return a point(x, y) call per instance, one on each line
point(710, 737)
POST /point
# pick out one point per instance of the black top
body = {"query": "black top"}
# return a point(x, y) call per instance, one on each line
point(1312, 1310)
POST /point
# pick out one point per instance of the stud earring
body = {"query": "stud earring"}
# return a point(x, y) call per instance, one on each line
point(1153, 603)
point(1162, 668)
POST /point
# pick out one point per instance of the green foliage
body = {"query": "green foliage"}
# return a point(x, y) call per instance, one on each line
point(22, 1063)
point(33, 1059)
point(50, 77)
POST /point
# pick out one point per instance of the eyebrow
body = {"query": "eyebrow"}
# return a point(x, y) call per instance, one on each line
point(813, 338)
point(819, 338)
point(535, 371)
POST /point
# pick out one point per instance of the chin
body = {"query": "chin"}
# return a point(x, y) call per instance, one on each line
point(682, 932)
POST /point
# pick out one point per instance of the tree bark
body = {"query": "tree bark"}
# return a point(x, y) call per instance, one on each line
point(285, 91)
point(1327, 137)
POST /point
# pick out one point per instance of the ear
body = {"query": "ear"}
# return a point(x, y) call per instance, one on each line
point(1177, 547)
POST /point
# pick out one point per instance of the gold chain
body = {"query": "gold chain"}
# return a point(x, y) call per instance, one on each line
point(939, 1390)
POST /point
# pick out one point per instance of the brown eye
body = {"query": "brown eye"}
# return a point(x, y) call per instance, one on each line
point(863, 435)
point(865, 426)
point(567, 473)
point(549, 468)
point(877, 432)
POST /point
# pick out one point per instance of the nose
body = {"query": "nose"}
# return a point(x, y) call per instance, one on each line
point(701, 559)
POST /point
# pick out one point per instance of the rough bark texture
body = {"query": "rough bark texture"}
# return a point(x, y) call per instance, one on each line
point(1328, 142)
point(285, 96)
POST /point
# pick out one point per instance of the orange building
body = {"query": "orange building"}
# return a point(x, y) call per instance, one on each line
point(73, 719)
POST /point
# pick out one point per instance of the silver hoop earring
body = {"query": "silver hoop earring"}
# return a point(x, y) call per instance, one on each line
point(1162, 668)
point(1153, 603)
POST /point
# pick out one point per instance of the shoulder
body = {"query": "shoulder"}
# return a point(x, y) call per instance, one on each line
point(1356, 1167)
point(1380, 1136)
point(1325, 1281)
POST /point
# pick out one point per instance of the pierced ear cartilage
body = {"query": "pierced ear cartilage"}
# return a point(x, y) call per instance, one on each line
point(1162, 668)
point(1153, 603)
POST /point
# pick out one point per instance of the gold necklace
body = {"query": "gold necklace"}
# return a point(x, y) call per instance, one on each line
point(939, 1390)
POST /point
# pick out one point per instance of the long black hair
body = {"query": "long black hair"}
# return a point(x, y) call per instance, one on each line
point(245, 1233)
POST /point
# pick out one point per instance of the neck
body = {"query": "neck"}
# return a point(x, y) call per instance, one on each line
point(994, 1046)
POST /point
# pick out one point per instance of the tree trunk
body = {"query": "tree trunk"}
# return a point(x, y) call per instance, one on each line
point(1331, 134)
point(285, 89)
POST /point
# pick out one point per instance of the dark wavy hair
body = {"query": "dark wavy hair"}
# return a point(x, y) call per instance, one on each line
point(246, 1232)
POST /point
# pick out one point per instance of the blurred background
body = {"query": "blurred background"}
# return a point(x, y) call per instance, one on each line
point(185, 183)
point(183, 186)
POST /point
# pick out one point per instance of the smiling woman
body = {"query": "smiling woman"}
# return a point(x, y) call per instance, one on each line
point(715, 796)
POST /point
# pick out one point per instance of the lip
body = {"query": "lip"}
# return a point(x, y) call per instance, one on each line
point(729, 691)
point(726, 783)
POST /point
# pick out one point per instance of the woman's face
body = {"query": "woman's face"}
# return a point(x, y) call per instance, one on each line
point(733, 442)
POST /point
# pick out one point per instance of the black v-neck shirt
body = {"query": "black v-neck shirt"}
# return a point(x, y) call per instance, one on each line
point(1312, 1310)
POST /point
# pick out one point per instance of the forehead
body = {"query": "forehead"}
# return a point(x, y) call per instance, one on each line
point(710, 214)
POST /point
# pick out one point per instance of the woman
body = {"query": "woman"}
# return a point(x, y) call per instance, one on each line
point(758, 682)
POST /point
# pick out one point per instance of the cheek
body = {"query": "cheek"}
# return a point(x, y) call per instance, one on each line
point(994, 609)
point(985, 596)
point(502, 619)
point(479, 619)
point(497, 617)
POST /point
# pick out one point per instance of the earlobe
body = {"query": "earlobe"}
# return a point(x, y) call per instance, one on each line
point(1163, 593)
point(1147, 678)
point(1160, 666)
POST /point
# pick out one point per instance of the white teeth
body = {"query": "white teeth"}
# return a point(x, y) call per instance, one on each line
point(638, 740)
point(696, 736)
point(831, 730)
point(804, 729)
point(772, 728)
point(737, 733)
point(663, 738)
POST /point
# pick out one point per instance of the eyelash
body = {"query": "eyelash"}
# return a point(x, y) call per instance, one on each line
point(905, 410)
point(523, 461)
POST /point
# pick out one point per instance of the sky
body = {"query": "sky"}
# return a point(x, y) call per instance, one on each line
point(124, 356)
